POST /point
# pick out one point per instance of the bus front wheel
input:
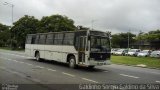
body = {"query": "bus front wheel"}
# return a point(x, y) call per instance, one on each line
point(91, 67)
point(72, 62)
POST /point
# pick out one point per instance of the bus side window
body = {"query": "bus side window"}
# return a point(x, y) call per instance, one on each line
point(58, 39)
point(29, 39)
point(68, 39)
point(37, 39)
point(33, 39)
point(49, 39)
point(42, 39)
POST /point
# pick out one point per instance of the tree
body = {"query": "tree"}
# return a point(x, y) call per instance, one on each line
point(120, 40)
point(154, 39)
point(30, 25)
point(56, 23)
point(153, 35)
point(22, 27)
point(150, 36)
point(4, 35)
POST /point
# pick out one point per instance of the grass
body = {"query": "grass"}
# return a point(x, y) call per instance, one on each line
point(8, 48)
point(5, 48)
point(128, 60)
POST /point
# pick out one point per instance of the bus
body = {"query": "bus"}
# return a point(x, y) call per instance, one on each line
point(88, 48)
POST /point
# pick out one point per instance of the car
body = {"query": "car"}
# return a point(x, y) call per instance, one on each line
point(144, 53)
point(121, 52)
point(133, 52)
point(155, 54)
point(113, 51)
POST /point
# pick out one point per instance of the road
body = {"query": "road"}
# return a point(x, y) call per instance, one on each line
point(17, 68)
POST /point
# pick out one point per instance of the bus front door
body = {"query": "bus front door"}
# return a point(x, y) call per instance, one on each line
point(81, 49)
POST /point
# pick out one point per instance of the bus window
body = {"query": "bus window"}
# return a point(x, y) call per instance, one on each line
point(33, 39)
point(29, 39)
point(37, 39)
point(58, 38)
point(49, 39)
point(68, 39)
point(42, 39)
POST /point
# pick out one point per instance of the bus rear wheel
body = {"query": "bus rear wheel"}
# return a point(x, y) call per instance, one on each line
point(38, 56)
point(72, 62)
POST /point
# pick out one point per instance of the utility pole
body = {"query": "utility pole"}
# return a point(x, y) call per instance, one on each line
point(140, 44)
point(12, 6)
point(92, 22)
point(128, 39)
point(12, 13)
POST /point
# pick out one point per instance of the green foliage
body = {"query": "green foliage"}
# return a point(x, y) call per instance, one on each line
point(25, 25)
point(153, 35)
point(3, 27)
point(150, 36)
point(4, 35)
point(30, 25)
point(154, 32)
point(121, 39)
point(56, 23)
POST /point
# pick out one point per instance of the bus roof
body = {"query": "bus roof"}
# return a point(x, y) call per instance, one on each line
point(68, 32)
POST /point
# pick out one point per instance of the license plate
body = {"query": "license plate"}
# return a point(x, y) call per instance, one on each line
point(100, 63)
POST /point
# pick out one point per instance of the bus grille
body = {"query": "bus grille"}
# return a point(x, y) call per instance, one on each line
point(100, 56)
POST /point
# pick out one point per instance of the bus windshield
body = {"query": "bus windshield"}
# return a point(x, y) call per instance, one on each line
point(100, 44)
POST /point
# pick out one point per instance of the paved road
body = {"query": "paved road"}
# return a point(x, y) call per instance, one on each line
point(17, 68)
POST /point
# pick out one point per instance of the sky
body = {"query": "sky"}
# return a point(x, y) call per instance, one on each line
point(106, 15)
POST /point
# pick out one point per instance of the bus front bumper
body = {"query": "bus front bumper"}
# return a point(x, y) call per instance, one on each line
point(99, 63)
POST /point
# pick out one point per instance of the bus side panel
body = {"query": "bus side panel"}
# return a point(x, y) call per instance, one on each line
point(27, 49)
point(56, 53)
point(68, 50)
point(33, 50)
point(48, 52)
point(41, 50)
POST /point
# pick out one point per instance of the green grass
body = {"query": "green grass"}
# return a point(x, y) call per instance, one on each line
point(8, 48)
point(128, 60)
point(5, 48)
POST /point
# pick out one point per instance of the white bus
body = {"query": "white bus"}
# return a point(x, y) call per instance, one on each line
point(77, 48)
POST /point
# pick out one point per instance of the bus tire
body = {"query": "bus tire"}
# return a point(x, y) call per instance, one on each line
point(38, 56)
point(91, 67)
point(72, 62)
